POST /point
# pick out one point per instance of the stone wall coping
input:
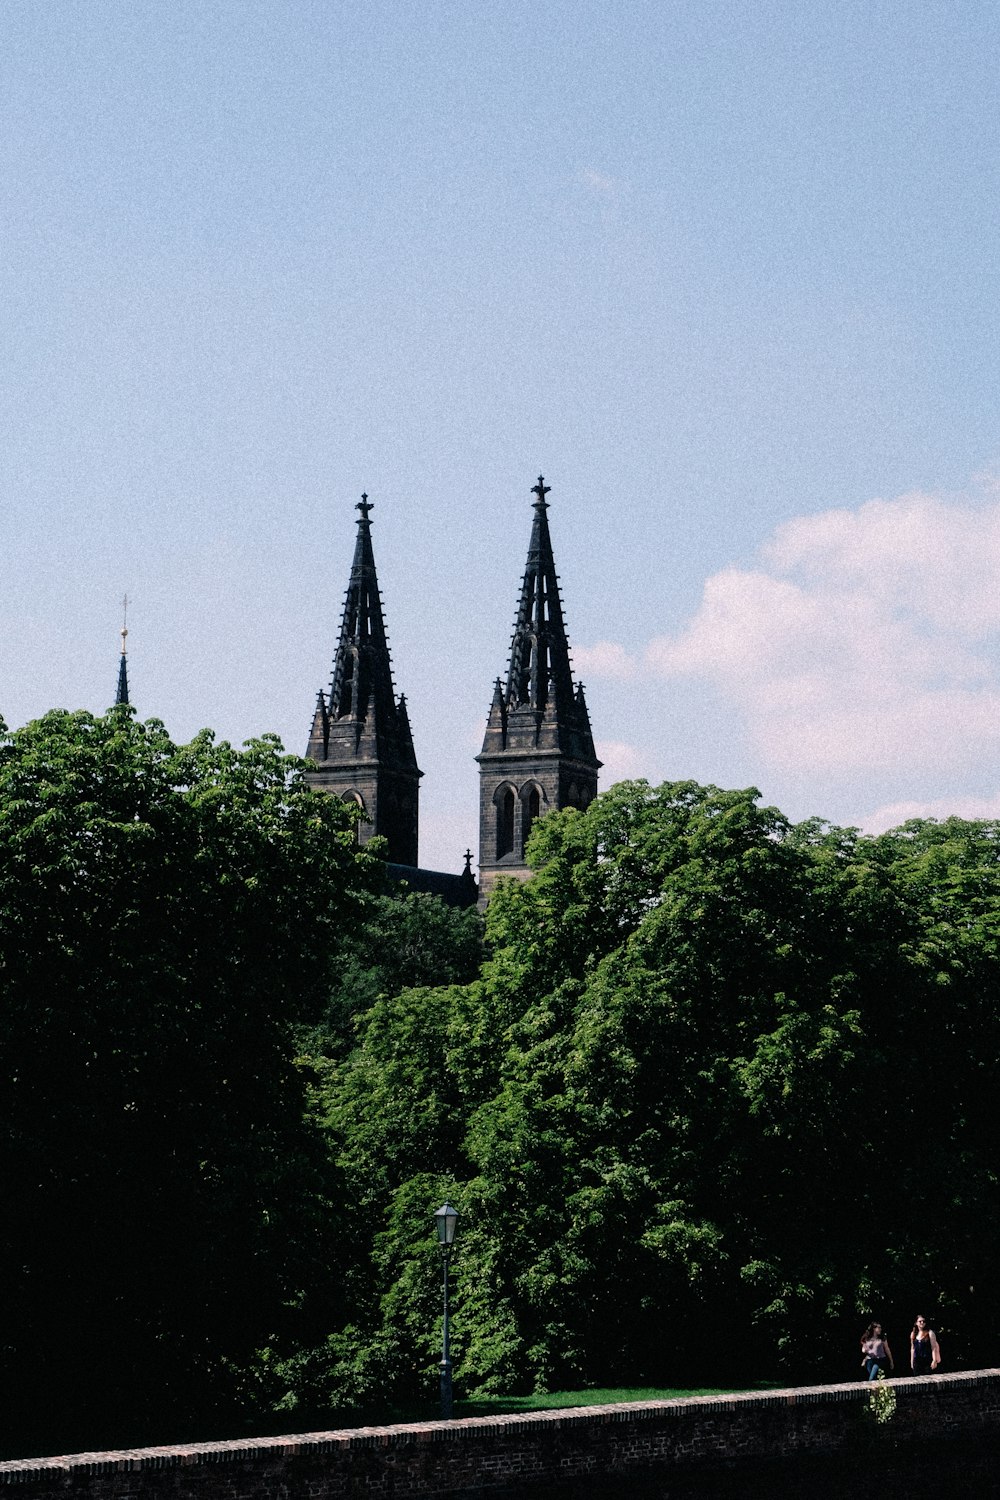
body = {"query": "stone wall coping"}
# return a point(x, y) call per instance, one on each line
point(469, 1428)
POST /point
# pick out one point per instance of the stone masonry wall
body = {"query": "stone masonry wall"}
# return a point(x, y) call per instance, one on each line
point(583, 1451)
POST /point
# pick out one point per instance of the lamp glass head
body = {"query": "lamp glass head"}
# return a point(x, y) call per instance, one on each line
point(445, 1221)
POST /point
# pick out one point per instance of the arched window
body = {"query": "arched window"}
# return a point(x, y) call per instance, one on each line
point(503, 797)
point(531, 806)
point(355, 799)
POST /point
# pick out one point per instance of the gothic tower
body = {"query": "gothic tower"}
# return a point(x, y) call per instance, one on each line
point(360, 745)
point(538, 753)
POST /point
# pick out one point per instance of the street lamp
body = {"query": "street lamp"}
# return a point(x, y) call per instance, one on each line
point(445, 1222)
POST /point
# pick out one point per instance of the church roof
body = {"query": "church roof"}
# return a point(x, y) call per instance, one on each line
point(454, 890)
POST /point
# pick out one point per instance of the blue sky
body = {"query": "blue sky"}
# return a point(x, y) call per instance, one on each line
point(726, 274)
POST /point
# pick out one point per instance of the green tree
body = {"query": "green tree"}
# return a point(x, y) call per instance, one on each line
point(925, 912)
point(724, 1088)
point(402, 940)
point(166, 914)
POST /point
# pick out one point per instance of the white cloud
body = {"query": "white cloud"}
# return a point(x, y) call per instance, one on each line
point(894, 813)
point(864, 638)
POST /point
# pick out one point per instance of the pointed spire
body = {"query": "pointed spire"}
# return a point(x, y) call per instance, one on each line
point(538, 749)
point(319, 735)
point(540, 675)
point(467, 882)
point(360, 744)
point(361, 688)
point(403, 724)
point(121, 695)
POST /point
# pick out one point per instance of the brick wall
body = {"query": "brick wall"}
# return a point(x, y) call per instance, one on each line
point(946, 1427)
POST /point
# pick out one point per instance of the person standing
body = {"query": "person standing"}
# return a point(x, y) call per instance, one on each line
point(925, 1352)
point(875, 1352)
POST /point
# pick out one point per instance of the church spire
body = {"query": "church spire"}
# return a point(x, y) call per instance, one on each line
point(540, 673)
point(360, 740)
point(121, 695)
point(538, 751)
point(361, 688)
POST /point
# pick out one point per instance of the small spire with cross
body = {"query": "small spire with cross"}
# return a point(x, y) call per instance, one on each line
point(365, 506)
point(121, 696)
point(541, 489)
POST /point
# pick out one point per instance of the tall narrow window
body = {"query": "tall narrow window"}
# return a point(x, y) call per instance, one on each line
point(531, 799)
point(505, 820)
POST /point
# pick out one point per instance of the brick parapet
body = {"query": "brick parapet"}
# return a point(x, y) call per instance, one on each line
point(531, 1450)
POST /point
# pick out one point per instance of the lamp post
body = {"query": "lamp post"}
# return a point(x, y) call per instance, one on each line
point(445, 1222)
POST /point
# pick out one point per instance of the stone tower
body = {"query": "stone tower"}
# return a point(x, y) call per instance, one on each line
point(538, 753)
point(360, 745)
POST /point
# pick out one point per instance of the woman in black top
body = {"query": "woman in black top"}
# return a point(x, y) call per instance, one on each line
point(925, 1352)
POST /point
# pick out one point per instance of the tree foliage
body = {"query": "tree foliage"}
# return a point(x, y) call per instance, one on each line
point(401, 940)
point(166, 912)
point(724, 1087)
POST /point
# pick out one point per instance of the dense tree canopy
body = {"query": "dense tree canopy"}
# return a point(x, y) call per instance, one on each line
point(725, 1086)
point(401, 940)
point(722, 1088)
point(165, 913)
